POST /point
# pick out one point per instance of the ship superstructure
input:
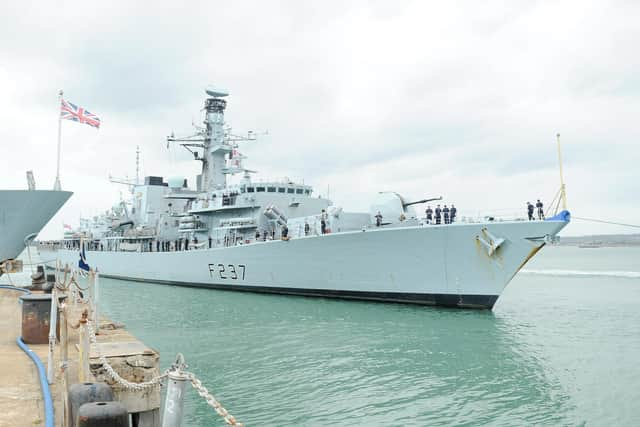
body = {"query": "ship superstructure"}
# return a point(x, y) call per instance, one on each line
point(277, 236)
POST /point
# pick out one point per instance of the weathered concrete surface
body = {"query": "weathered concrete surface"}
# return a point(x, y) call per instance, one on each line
point(134, 362)
point(20, 395)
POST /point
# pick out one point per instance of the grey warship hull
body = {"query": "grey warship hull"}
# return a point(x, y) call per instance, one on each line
point(433, 265)
point(24, 213)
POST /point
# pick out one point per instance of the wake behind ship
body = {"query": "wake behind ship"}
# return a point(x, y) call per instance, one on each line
point(276, 237)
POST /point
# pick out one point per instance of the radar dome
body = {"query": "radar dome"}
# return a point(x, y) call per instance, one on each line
point(175, 181)
point(216, 92)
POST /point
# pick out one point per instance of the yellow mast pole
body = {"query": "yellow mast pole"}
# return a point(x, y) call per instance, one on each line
point(563, 194)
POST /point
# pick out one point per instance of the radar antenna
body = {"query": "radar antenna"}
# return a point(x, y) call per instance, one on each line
point(215, 144)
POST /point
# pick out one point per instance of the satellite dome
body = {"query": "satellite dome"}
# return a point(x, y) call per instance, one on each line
point(216, 92)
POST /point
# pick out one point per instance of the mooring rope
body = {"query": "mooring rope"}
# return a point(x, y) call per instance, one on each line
point(606, 222)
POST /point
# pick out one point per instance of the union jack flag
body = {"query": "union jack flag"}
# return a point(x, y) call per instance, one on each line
point(69, 111)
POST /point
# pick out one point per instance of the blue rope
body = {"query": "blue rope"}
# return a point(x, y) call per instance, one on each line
point(49, 417)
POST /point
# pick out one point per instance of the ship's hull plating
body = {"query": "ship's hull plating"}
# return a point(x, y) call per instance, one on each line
point(25, 212)
point(436, 265)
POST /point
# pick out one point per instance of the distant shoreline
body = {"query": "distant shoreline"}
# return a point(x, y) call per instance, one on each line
point(601, 240)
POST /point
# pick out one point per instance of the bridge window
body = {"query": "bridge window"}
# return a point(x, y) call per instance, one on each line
point(260, 189)
point(271, 189)
point(280, 189)
point(298, 190)
point(250, 189)
point(290, 190)
point(307, 192)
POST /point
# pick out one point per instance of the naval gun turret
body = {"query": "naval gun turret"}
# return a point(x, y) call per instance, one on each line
point(393, 208)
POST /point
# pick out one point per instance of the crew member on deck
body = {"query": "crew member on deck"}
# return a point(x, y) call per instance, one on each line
point(445, 214)
point(257, 234)
point(429, 213)
point(438, 214)
point(209, 242)
point(530, 211)
point(454, 212)
point(540, 210)
point(307, 229)
point(378, 219)
point(284, 232)
point(323, 221)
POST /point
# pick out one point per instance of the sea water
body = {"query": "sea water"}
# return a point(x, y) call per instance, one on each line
point(561, 347)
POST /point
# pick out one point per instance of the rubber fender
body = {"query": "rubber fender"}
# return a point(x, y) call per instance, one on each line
point(82, 393)
point(103, 414)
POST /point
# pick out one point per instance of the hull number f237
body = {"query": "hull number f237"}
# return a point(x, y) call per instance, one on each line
point(227, 271)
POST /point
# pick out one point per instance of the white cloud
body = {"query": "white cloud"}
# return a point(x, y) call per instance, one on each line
point(425, 98)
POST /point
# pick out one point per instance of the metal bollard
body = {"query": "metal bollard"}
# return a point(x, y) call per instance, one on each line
point(79, 394)
point(103, 414)
point(84, 346)
point(174, 403)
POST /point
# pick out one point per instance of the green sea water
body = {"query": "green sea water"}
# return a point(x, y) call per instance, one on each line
point(561, 347)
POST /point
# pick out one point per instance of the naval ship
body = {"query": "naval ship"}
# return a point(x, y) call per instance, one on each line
point(278, 237)
point(23, 213)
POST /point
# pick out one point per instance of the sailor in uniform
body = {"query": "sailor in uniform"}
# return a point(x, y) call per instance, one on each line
point(378, 219)
point(454, 211)
point(540, 210)
point(445, 213)
point(438, 214)
point(307, 229)
point(530, 211)
point(429, 213)
point(323, 221)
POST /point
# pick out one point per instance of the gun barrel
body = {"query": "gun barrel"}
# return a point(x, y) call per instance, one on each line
point(417, 202)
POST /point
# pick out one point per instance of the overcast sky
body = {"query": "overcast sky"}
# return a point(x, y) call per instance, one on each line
point(459, 99)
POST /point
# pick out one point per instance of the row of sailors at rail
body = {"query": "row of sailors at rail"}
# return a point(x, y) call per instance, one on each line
point(446, 214)
point(439, 214)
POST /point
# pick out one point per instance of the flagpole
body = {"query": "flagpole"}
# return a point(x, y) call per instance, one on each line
point(563, 194)
point(56, 186)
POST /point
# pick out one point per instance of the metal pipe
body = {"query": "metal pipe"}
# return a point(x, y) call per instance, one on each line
point(96, 289)
point(563, 193)
point(83, 372)
point(174, 402)
point(53, 317)
point(64, 360)
point(56, 185)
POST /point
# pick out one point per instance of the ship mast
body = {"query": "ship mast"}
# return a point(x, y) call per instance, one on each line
point(563, 194)
point(215, 147)
point(216, 143)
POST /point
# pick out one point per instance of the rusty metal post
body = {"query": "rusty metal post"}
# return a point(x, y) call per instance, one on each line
point(83, 371)
point(174, 403)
